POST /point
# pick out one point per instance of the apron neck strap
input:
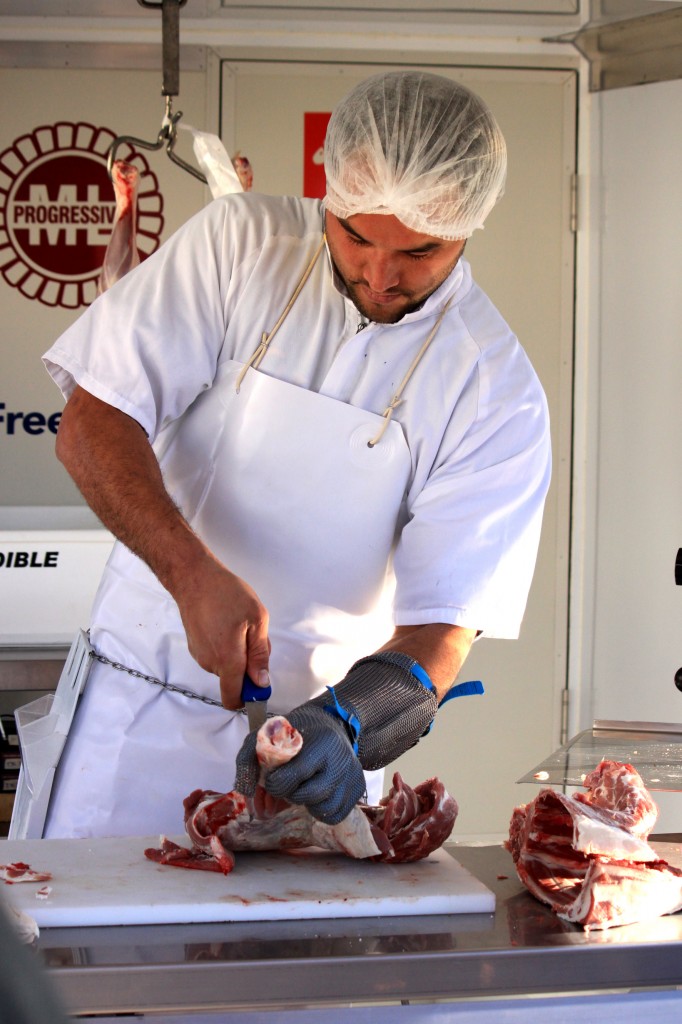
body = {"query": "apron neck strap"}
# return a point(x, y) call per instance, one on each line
point(397, 397)
point(266, 337)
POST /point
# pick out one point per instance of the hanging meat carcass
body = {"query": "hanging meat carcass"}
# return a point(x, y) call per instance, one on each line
point(121, 254)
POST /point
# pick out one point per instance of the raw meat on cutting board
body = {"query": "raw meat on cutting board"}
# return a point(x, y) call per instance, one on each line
point(587, 855)
point(406, 826)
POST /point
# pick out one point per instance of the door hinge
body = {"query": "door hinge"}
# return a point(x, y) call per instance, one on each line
point(563, 737)
point(573, 215)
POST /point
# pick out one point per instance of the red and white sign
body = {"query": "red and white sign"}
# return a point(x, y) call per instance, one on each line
point(314, 131)
point(57, 209)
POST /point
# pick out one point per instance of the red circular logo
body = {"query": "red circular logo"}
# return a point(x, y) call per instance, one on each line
point(57, 208)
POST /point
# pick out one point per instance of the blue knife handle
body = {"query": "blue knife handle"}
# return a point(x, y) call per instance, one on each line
point(252, 692)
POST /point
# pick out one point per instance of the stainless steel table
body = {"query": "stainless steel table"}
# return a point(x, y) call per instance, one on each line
point(521, 949)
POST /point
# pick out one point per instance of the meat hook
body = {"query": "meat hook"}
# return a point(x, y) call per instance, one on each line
point(170, 41)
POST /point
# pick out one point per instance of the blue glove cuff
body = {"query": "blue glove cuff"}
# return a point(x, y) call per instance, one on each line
point(348, 716)
point(384, 705)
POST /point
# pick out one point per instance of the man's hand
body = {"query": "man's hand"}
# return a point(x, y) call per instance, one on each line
point(325, 775)
point(226, 626)
point(387, 702)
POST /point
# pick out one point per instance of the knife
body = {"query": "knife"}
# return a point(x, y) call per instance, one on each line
point(256, 702)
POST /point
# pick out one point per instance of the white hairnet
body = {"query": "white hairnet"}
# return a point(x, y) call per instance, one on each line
point(419, 146)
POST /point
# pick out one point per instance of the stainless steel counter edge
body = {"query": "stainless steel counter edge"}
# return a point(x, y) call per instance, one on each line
point(520, 949)
point(387, 979)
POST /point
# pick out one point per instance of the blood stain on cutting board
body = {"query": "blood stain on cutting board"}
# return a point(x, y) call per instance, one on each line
point(334, 863)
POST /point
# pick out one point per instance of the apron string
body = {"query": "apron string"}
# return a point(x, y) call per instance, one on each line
point(397, 397)
point(266, 338)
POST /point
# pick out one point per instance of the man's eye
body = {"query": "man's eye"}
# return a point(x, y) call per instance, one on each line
point(356, 241)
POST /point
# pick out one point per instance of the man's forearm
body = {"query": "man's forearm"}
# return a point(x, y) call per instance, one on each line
point(111, 461)
point(439, 648)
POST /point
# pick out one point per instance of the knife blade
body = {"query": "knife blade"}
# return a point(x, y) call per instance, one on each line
point(255, 700)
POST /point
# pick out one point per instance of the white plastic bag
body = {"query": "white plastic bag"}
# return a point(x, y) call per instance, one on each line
point(43, 726)
point(213, 160)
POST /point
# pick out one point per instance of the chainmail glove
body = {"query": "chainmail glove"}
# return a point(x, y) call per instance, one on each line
point(382, 708)
point(387, 703)
point(325, 775)
point(248, 768)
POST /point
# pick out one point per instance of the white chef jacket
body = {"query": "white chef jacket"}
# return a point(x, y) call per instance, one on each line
point(474, 413)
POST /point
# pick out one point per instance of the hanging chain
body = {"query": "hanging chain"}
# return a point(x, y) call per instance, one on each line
point(183, 691)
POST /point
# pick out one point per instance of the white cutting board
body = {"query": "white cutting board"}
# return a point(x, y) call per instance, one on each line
point(109, 882)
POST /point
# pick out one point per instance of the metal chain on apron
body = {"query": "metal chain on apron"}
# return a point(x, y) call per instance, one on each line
point(266, 338)
point(183, 691)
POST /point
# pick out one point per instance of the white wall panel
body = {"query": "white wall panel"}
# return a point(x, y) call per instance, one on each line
point(638, 608)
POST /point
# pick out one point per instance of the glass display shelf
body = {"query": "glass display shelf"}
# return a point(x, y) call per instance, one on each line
point(653, 748)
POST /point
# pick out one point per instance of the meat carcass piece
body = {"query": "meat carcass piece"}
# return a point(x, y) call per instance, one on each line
point(618, 788)
point(415, 821)
point(20, 872)
point(277, 742)
point(121, 254)
point(406, 826)
point(244, 171)
point(623, 892)
point(586, 855)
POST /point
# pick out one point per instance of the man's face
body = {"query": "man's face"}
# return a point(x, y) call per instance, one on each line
point(388, 269)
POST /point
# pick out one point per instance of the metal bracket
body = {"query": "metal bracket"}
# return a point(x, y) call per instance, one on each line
point(170, 42)
point(630, 50)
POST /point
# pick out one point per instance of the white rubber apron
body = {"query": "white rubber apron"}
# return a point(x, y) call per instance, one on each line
point(301, 498)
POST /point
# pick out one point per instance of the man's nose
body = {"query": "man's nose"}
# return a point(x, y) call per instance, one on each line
point(381, 272)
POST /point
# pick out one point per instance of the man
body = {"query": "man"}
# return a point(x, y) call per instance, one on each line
point(330, 415)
